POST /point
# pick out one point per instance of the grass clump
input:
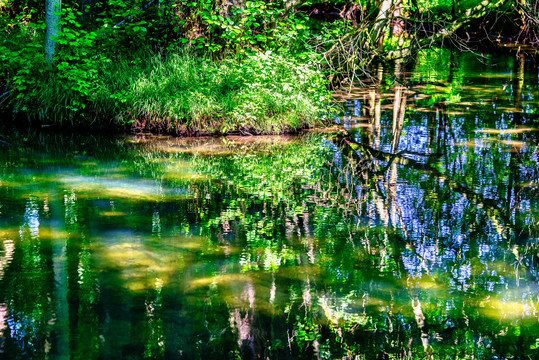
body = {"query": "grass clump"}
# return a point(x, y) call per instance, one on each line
point(177, 93)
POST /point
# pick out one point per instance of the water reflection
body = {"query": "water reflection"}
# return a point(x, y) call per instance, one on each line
point(471, 200)
point(412, 236)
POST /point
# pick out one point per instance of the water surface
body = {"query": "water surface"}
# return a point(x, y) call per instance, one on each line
point(415, 235)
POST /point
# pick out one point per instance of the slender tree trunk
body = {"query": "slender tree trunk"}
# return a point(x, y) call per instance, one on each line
point(397, 21)
point(52, 19)
point(381, 23)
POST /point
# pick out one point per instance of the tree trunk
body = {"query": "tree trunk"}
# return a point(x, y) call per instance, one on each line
point(381, 23)
point(53, 9)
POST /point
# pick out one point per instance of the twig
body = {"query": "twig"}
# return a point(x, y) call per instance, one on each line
point(4, 94)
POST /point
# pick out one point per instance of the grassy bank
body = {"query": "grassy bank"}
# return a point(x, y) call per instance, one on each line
point(178, 93)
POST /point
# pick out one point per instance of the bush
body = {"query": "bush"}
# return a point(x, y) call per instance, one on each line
point(179, 93)
point(118, 64)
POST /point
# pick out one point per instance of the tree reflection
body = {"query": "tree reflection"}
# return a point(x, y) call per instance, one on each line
point(412, 234)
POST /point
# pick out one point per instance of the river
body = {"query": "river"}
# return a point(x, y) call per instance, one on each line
point(413, 234)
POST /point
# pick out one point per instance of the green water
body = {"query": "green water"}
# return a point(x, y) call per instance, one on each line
point(415, 236)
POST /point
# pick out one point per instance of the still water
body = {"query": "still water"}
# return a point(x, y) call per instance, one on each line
point(413, 235)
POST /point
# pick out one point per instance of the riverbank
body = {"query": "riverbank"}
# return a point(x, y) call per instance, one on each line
point(177, 94)
point(201, 69)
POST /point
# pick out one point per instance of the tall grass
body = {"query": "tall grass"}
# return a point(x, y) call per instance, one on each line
point(180, 93)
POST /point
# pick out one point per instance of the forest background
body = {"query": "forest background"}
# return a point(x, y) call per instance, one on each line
point(202, 66)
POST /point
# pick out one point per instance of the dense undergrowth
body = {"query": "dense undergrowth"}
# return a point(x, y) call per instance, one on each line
point(202, 66)
point(179, 93)
point(144, 74)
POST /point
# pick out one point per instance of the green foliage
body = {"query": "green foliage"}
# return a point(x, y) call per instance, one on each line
point(257, 25)
point(272, 175)
point(77, 66)
point(121, 63)
point(264, 93)
point(258, 68)
point(21, 56)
